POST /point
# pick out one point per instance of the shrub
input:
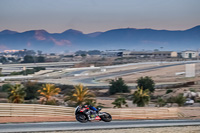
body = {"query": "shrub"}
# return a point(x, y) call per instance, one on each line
point(118, 86)
point(161, 102)
point(37, 69)
point(119, 102)
point(15, 73)
point(31, 90)
point(28, 71)
point(171, 100)
point(28, 59)
point(192, 90)
point(169, 91)
point(146, 83)
point(40, 59)
point(5, 87)
point(180, 100)
point(198, 100)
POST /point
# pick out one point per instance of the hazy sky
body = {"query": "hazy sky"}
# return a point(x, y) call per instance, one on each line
point(98, 15)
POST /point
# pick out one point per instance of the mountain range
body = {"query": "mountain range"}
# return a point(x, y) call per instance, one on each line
point(124, 38)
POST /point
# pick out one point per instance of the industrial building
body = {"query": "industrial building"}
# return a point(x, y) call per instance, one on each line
point(188, 54)
point(157, 54)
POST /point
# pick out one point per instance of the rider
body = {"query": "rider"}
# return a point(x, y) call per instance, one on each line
point(91, 107)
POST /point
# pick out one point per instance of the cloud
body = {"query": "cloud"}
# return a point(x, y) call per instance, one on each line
point(61, 42)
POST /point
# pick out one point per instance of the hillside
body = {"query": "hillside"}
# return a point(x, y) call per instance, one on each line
point(127, 38)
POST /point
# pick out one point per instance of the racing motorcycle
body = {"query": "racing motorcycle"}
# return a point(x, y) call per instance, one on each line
point(85, 114)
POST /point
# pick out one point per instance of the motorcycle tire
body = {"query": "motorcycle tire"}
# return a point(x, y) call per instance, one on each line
point(81, 118)
point(106, 118)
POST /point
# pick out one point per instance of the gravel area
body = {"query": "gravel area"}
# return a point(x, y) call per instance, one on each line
point(186, 129)
point(35, 119)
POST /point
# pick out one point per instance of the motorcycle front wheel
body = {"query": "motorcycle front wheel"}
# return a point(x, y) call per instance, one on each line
point(81, 118)
point(106, 117)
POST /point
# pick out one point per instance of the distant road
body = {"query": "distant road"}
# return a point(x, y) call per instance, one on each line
point(7, 68)
point(48, 64)
point(64, 126)
point(92, 80)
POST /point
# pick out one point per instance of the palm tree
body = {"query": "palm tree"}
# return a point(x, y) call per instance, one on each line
point(141, 97)
point(48, 92)
point(16, 93)
point(80, 95)
point(119, 102)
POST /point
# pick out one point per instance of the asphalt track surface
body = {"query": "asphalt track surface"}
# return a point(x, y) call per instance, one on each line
point(8, 68)
point(94, 80)
point(66, 126)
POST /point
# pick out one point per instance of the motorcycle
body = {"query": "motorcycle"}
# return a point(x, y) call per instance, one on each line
point(84, 114)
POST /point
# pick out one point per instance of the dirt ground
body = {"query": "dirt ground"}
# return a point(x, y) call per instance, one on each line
point(159, 75)
point(162, 75)
point(35, 119)
point(185, 129)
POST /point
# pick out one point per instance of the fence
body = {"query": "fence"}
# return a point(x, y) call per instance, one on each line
point(144, 113)
point(8, 109)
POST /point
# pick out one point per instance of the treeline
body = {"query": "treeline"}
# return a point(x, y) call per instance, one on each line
point(33, 59)
point(79, 95)
point(28, 71)
point(90, 52)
